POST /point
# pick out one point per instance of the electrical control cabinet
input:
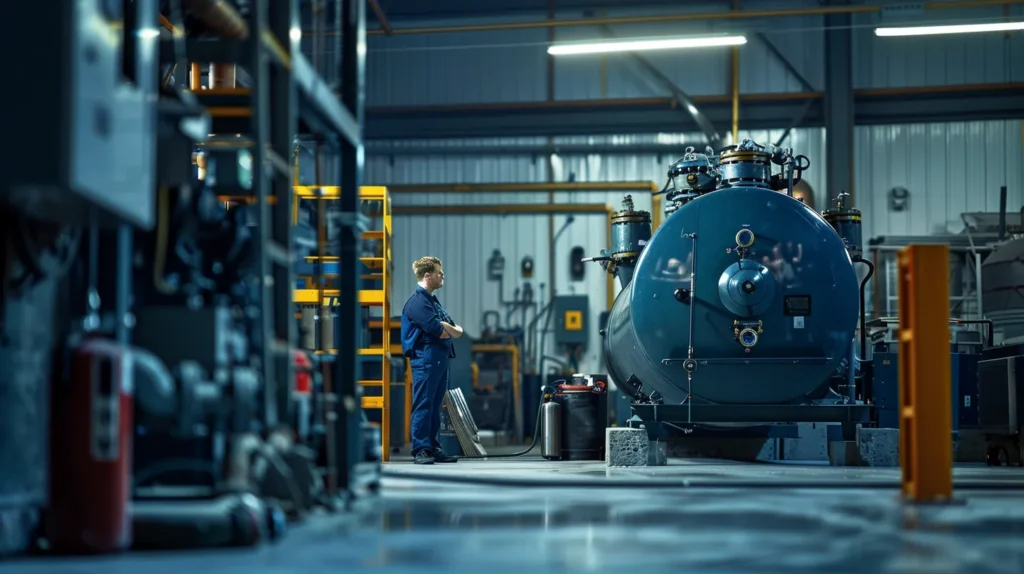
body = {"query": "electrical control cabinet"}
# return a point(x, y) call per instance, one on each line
point(572, 326)
point(83, 134)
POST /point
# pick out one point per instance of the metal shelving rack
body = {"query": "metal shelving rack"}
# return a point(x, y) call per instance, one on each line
point(378, 271)
point(288, 97)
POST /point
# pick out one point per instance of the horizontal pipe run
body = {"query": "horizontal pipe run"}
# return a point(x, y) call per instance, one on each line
point(509, 209)
point(533, 151)
point(525, 187)
point(697, 100)
point(692, 17)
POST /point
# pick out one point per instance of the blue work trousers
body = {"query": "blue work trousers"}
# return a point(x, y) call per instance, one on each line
point(429, 385)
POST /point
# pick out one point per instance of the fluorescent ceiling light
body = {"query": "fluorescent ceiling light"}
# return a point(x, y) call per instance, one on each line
point(639, 45)
point(956, 29)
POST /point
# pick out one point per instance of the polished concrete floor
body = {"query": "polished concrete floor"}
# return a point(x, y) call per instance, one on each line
point(761, 520)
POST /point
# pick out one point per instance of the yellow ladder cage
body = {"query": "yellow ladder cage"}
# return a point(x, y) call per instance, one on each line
point(377, 269)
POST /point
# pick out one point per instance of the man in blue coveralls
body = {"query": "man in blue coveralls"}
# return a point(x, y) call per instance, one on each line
point(427, 333)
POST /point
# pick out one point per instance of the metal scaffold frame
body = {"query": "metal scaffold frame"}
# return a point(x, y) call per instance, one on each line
point(287, 96)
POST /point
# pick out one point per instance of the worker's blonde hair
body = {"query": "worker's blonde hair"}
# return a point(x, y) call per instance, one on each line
point(425, 265)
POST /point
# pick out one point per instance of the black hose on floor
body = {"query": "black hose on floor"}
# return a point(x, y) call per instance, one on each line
point(533, 443)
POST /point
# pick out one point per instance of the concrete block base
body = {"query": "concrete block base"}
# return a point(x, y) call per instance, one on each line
point(878, 447)
point(626, 447)
point(844, 453)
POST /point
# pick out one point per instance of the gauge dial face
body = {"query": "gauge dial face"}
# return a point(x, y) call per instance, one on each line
point(744, 238)
point(748, 337)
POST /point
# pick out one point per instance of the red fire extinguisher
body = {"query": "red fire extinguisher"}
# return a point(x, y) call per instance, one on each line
point(91, 451)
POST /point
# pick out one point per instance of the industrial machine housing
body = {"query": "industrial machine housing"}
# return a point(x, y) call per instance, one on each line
point(147, 326)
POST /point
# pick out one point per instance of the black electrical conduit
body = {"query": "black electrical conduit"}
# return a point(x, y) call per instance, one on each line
point(863, 307)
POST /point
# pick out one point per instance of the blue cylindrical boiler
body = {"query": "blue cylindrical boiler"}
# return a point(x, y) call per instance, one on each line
point(760, 284)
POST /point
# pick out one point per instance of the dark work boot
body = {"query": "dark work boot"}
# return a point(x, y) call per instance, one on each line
point(423, 457)
point(440, 456)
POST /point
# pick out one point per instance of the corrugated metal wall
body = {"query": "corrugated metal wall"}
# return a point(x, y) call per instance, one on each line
point(510, 66)
point(948, 169)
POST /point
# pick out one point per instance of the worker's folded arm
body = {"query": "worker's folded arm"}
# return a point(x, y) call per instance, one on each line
point(423, 315)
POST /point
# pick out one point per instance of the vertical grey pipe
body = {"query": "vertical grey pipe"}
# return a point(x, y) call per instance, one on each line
point(1002, 213)
point(123, 289)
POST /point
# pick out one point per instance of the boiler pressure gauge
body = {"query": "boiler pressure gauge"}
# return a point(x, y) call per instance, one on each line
point(744, 238)
point(748, 337)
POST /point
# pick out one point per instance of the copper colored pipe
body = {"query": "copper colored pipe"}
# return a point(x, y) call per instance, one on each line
point(222, 76)
point(195, 78)
point(385, 26)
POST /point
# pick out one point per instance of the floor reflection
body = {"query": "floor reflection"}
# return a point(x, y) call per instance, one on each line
point(432, 527)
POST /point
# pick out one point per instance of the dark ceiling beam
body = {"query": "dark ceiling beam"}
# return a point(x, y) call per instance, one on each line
point(653, 115)
point(679, 17)
point(840, 107)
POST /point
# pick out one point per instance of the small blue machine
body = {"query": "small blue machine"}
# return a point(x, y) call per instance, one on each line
point(963, 380)
point(742, 307)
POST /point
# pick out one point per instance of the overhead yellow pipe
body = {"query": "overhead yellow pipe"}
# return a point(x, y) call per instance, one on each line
point(520, 209)
point(522, 187)
point(697, 16)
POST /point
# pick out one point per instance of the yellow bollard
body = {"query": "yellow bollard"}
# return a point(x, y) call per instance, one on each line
point(926, 413)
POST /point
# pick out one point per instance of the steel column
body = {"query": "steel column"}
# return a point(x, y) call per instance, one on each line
point(839, 112)
point(347, 369)
point(922, 104)
point(263, 332)
point(283, 17)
